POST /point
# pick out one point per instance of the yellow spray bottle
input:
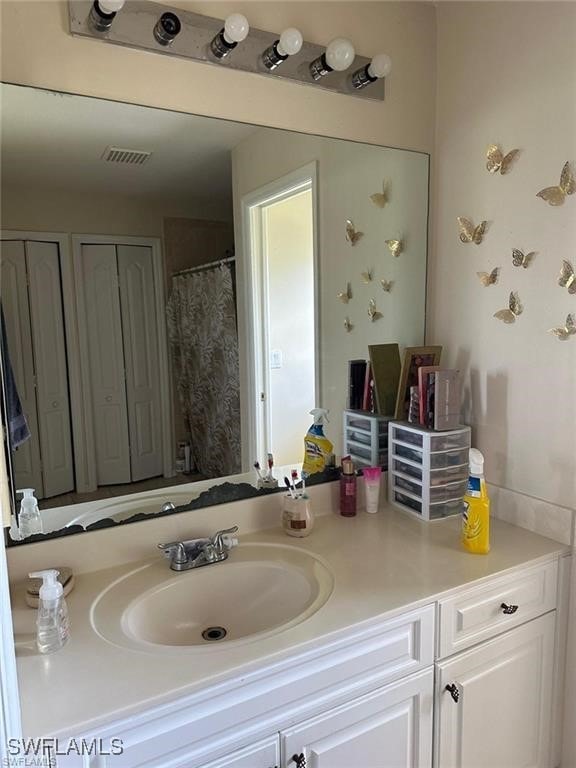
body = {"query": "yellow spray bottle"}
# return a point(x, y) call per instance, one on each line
point(317, 447)
point(476, 513)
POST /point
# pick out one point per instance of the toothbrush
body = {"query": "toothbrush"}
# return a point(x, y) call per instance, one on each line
point(294, 476)
point(258, 472)
point(304, 475)
point(287, 483)
point(270, 465)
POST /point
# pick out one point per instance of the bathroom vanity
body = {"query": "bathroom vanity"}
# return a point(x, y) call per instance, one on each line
point(396, 649)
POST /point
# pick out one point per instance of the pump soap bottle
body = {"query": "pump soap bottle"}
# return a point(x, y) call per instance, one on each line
point(29, 520)
point(52, 625)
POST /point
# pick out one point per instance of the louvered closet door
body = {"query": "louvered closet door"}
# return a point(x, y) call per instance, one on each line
point(49, 343)
point(139, 327)
point(106, 359)
point(14, 295)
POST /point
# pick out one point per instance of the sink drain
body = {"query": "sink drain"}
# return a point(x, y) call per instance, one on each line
point(214, 633)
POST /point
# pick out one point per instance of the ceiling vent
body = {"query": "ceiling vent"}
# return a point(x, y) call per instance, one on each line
point(125, 156)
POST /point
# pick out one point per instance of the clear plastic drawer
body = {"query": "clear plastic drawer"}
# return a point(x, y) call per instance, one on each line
point(405, 436)
point(447, 442)
point(408, 453)
point(406, 469)
point(447, 459)
point(445, 509)
point(408, 501)
point(444, 476)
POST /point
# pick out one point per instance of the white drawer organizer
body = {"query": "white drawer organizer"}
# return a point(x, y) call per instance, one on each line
point(366, 438)
point(428, 471)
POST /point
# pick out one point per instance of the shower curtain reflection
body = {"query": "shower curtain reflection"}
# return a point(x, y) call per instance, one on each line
point(202, 329)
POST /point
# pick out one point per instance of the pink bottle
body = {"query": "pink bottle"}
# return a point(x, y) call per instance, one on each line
point(348, 489)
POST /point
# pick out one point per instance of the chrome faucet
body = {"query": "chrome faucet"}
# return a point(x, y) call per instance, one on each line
point(194, 553)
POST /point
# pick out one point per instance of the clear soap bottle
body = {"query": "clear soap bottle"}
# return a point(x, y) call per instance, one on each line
point(52, 624)
point(29, 520)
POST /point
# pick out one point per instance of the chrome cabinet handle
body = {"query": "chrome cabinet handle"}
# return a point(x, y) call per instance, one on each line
point(453, 691)
point(508, 609)
point(300, 760)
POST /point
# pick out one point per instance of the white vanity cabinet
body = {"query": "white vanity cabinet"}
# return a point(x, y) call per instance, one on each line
point(494, 700)
point(389, 728)
point(263, 754)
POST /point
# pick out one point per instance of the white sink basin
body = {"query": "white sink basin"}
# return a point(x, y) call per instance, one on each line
point(261, 589)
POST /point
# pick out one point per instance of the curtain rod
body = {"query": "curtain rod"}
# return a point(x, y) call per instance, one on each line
point(200, 267)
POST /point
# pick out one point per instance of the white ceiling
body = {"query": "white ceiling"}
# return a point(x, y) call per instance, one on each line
point(57, 140)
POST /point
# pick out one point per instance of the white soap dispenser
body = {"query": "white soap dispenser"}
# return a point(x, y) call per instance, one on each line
point(29, 520)
point(52, 625)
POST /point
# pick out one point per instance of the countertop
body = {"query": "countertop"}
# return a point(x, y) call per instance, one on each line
point(382, 565)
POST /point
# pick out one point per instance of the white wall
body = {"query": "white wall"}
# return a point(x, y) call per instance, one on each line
point(507, 74)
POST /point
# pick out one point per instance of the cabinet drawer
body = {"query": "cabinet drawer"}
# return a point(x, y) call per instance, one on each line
point(478, 613)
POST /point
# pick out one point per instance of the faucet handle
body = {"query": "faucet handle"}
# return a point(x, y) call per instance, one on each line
point(175, 551)
point(218, 538)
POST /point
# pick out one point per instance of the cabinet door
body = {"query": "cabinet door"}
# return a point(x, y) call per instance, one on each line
point(106, 356)
point(501, 718)
point(52, 396)
point(264, 754)
point(389, 728)
point(139, 329)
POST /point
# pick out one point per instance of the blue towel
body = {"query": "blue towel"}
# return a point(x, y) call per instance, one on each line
point(17, 424)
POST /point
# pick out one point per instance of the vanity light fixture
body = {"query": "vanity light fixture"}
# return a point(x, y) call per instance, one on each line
point(380, 66)
point(167, 27)
point(289, 44)
point(235, 30)
point(103, 12)
point(337, 57)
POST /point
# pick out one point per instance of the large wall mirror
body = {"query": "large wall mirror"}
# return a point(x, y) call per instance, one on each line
point(178, 292)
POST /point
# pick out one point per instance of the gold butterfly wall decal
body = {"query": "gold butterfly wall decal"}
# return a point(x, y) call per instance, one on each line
point(380, 198)
point(351, 234)
point(567, 186)
point(396, 247)
point(373, 313)
point(497, 161)
point(469, 233)
point(386, 285)
point(521, 259)
point(489, 278)
point(346, 295)
point(367, 276)
point(567, 277)
point(515, 309)
point(348, 325)
point(564, 332)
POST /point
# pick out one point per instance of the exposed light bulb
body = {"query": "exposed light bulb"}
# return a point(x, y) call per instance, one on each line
point(380, 66)
point(338, 56)
point(289, 44)
point(111, 6)
point(103, 13)
point(235, 30)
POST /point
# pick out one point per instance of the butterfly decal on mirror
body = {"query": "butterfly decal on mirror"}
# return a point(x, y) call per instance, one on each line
point(567, 186)
point(348, 325)
point(367, 276)
point(346, 295)
point(497, 161)
point(567, 277)
point(521, 259)
point(469, 233)
point(380, 198)
point(568, 329)
point(373, 313)
point(395, 246)
point(386, 285)
point(352, 235)
point(514, 310)
point(489, 278)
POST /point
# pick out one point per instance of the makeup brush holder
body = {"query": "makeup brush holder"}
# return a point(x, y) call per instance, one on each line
point(297, 517)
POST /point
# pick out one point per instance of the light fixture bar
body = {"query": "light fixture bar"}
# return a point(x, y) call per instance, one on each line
point(134, 25)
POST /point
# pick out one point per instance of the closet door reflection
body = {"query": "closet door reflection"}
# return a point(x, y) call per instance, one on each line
point(32, 303)
point(123, 357)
